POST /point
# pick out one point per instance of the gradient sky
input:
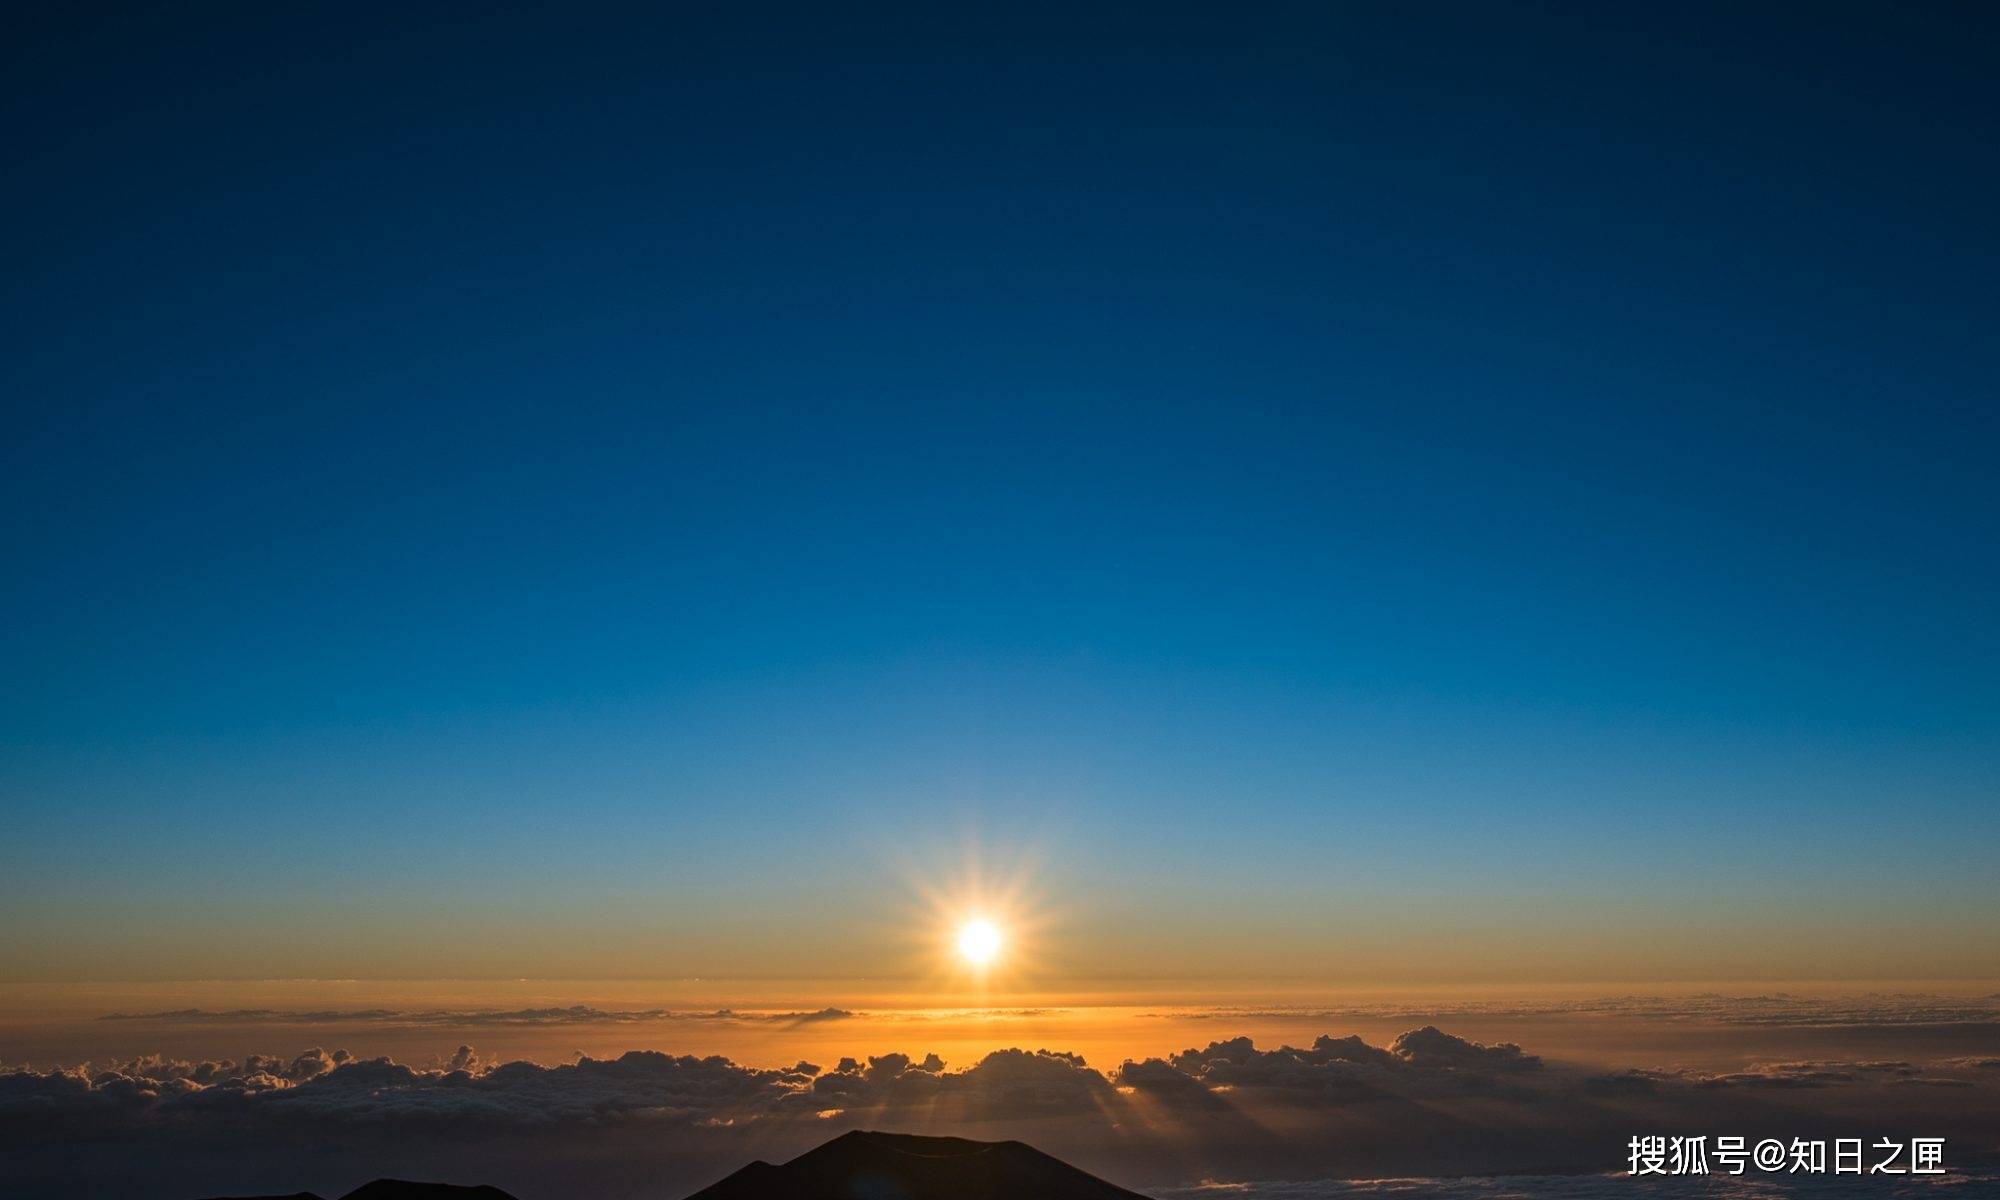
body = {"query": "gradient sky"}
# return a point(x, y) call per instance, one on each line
point(1334, 493)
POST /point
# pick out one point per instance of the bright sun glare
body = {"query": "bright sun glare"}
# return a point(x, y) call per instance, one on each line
point(978, 942)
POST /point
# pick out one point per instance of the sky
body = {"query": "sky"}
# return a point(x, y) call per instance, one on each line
point(1489, 493)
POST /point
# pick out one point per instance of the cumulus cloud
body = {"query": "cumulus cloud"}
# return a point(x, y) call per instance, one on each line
point(1428, 1098)
point(1430, 1048)
point(463, 1089)
point(1333, 1068)
point(1004, 1084)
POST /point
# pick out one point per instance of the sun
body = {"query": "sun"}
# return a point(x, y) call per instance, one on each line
point(978, 942)
point(976, 932)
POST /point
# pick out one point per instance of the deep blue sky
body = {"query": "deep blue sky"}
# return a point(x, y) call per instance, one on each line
point(1368, 476)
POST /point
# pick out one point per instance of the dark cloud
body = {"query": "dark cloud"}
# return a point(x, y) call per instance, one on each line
point(1634, 1082)
point(639, 1085)
point(334, 1085)
point(824, 1014)
point(1813, 1074)
point(1004, 1084)
point(1430, 1048)
point(1974, 1064)
point(463, 1087)
point(1333, 1068)
point(1428, 1100)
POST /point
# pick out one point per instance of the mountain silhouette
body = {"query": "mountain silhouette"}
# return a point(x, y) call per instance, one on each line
point(398, 1189)
point(899, 1166)
point(401, 1189)
point(854, 1166)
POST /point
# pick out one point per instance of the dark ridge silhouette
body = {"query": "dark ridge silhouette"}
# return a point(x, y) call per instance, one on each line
point(400, 1189)
point(864, 1166)
point(397, 1189)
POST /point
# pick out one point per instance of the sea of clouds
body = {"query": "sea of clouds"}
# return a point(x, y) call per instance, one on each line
point(653, 1124)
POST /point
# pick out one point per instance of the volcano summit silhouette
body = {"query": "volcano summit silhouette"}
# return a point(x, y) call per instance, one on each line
point(402, 1189)
point(854, 1166)
point(898, 1166)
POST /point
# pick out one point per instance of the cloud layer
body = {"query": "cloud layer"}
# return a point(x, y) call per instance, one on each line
point(575, 1014)
point(1776, 1008)
point(1428, 1101)
point(645, 1084)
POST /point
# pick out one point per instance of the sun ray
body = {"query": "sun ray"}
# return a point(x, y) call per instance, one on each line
point(976, 929)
